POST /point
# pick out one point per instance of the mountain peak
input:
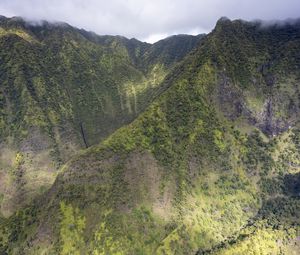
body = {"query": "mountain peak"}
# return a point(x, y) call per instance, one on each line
point(223, 20)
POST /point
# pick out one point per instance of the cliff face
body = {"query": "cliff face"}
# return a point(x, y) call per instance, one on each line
point(260, 72)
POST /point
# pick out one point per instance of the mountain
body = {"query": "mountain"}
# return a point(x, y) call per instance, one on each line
point(210, 167)
point(64, 89)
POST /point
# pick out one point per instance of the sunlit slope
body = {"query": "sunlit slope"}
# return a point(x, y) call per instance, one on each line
point(63, 89)
point(202, 170)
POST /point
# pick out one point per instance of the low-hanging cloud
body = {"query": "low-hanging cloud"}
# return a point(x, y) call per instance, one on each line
point(148, 20)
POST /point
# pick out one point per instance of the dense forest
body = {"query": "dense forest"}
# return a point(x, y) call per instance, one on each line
point(190, 145)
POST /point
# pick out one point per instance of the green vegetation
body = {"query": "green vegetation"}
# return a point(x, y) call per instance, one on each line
point(203, 169)
point(71, 230)
point(64, 89)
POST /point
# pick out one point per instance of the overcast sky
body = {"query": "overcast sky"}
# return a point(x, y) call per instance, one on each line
point(148, 20)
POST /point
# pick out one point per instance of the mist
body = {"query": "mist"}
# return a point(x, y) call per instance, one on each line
point(148, 20)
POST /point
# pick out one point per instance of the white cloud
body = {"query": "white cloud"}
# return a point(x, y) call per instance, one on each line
point(151, 19)
point(154, 38)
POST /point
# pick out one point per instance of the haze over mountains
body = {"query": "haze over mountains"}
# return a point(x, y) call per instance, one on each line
point(115, 146)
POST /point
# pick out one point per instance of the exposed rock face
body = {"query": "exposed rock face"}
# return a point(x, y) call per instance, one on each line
point(233, 104)
point(277, 111)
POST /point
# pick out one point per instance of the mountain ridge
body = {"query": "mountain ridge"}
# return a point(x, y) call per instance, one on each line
point(62, 92)
point(202, 170)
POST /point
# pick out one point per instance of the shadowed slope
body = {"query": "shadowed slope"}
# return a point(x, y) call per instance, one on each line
point(64, 89)
point(192, 171)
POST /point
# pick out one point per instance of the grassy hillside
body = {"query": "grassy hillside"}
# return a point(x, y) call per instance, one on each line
point(208, 168)
point(63, 89)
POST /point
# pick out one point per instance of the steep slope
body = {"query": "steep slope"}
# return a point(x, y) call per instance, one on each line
point(63, 89)
point(170, 50)
point(261, 73)
point(197, 172)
